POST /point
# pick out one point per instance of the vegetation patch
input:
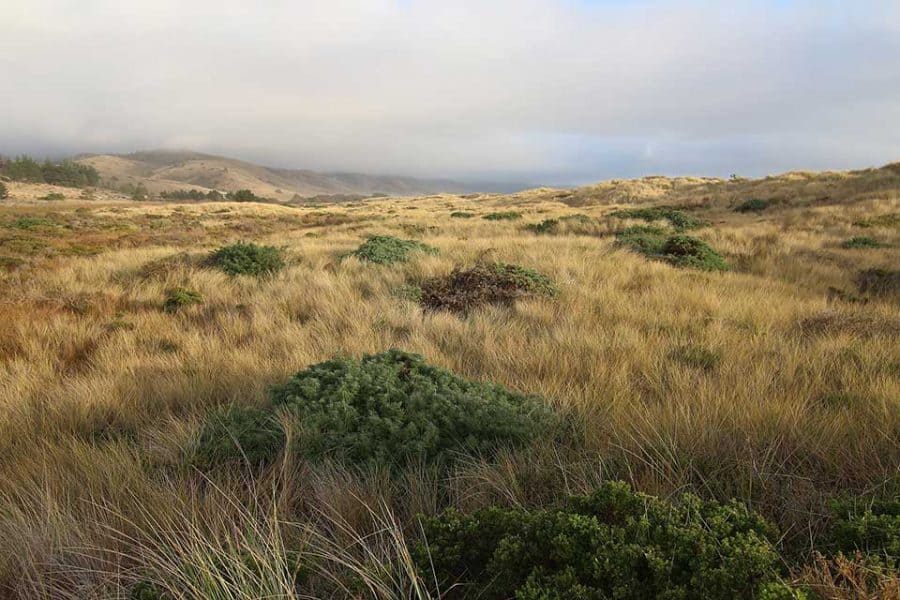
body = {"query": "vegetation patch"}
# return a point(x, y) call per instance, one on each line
point(879, 282)
point(30, 223)
point(861, 241)
point(679, 250)
point(753, 205)
point(53, 196)
point(867, 526)
point(390, 408)
point(572, 224)
point(614, 543)
point(386, 249)
point(178, 298)
point(887, 220)
point(247, 259)
point(509, 215)
point(697, 357)
point(66, 173)
point(490, 283)
point(680, 220)
point(4, 192)
point(462, 214)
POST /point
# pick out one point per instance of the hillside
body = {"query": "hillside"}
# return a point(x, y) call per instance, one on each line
point(166, 170)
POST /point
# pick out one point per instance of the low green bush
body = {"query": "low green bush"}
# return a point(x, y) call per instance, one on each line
point(31, 223)
point(861, 241)
point(178, 298)
point(677, 218)
point(576, 224)
point(869, 526)
point(686, 251)
point(390, 408)
point(486, 283)
point(615, 543)
point(644, 239)
point(386, 249)
point(753, 205)
point(247, 259)
point(509, 215)
point(461, 214)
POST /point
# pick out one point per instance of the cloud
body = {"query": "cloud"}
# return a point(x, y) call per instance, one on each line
point(545, 90)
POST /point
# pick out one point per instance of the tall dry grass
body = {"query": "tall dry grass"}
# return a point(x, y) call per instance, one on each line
point(102, 391)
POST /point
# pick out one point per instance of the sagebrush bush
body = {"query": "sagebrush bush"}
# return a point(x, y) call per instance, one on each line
point(615, 543)
point(247, 259)
point(486, 283)
point(177, 298)
point(390, 408)
point(753, 205)
point(387, 249)
point(678, 219)
point(509, 215)
point(861, 241)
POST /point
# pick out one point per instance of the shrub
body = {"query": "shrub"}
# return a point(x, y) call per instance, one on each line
point(861, 241)
point(386, 249)
point(53, 196)
point(577, 224)
point(390, 408)
point(868, 526)
point(879, 282)
point(645, 239)
point(509, 215)
point(461, 214)
point(247, 259)
point(139, 192)
point(545, 226)
point(31, 223)
point(181, 297)
point(243, 196)
point(614, 543)
point(239, 434)
point(492, 283)
point(678, 219)
point(686, 251)
point(4, 192)
point(753, 205)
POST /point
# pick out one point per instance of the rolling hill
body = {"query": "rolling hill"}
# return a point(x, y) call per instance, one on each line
point(167, 170)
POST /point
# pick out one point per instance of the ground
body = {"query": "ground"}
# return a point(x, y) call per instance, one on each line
point(776, 382)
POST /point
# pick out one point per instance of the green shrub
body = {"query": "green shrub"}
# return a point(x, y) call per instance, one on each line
point(686, 251)
point(879, 282)
point(509, 215)
point(139, 192)
point(31, 223)
point(645, 239)
point(180, 297)
point(545, 226)
point(868, 526)
point(4, 192)
point(243, 196)
point(753, 205)
point(247, 259)
point(391, 408)
point(386, 249)
point(576, 224)
point(614, 543)
point(491, 283)
point(678, 219)
point(53, 196)
point(461, 214)
point(861, 241)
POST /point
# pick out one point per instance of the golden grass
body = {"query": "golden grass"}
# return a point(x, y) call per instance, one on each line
point(101, 390)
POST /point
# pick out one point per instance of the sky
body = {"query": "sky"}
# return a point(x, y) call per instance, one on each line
point(543, 91)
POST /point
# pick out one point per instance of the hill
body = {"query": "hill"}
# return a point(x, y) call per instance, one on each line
point(162, 171)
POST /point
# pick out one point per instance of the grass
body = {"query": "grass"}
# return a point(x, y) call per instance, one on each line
point(752, 384)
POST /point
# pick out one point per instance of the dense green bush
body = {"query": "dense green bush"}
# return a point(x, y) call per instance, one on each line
point(686, 251)
point(190, 195)
point(678, 219)
point(247, 259)
point(568, 223)
point(509, 215)
point(644, 239)
point(243, 196)
point(391, 408)
point(868, 526)
point(461, 214)
point(861, 241)
point(490, 283)
point(386, 249)
point(178, 298)
point(614, 543)
point(753, 205)
point(53, 196)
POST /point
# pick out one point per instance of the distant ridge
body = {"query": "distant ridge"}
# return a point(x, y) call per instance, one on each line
point(167, 170)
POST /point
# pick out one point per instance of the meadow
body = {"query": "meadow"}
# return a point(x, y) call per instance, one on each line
point(773, 380)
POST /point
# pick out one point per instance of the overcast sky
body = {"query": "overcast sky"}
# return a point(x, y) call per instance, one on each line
point(544, 91)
